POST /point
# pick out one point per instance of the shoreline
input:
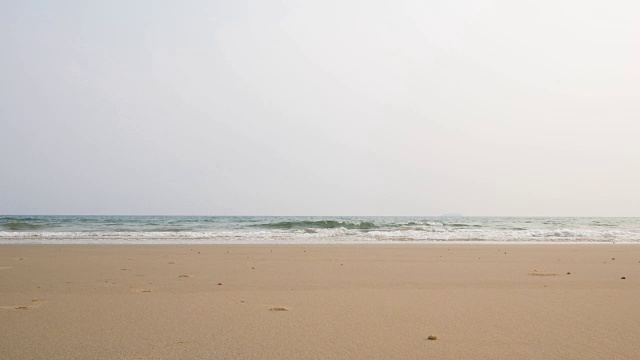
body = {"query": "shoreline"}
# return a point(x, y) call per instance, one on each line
point(270, 301)
point(337, 243)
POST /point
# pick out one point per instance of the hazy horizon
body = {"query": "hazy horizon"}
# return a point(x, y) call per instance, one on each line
point(360, 108)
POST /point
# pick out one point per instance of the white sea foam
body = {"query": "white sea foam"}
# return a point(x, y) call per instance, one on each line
point(325, 236)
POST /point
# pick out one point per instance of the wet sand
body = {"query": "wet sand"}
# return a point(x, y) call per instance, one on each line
point(319, 302)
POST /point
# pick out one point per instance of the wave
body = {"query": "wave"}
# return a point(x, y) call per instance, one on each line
point(463, 225)
point(139, 231)
point(169, 229)
point(21, 225)
point(421, 223)
point(320, 224)
point(323, 236)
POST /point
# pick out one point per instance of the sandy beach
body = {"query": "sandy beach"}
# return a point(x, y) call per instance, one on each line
point(319, 302)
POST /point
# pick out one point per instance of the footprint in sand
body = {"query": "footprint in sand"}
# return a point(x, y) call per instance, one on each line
point(541, 274)
point(278, 309)
point(35, 303)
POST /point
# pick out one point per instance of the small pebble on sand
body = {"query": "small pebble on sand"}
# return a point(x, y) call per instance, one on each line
point(433, 337)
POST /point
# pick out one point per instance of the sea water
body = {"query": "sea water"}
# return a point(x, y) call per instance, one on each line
point(313, 230)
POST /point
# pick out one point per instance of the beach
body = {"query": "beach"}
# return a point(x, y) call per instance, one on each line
point(517, 301)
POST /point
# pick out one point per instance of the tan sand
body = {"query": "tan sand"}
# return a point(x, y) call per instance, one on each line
point(319, 302)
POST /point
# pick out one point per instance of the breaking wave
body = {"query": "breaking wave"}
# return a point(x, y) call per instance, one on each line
point(320, 224)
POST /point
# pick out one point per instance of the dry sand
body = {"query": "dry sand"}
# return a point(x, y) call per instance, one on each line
point(319, 302)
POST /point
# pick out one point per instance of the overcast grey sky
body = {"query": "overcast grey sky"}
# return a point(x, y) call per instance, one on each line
point(320, 107)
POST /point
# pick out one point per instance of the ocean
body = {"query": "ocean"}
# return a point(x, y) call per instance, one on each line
point(314, 230)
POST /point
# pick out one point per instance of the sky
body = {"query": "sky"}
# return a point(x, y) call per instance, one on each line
point(486, 108)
